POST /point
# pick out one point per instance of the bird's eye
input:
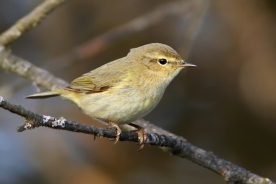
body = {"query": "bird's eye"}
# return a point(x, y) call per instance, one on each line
point(162, 61)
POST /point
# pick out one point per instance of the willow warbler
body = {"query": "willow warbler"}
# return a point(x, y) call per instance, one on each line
point(126, 89)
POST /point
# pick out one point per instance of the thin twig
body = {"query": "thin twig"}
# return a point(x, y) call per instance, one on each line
point(154, 17)
point(177, 145)
point(29, 21)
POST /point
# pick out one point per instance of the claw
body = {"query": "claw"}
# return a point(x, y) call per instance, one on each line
point(141, 135)
point(118, 130)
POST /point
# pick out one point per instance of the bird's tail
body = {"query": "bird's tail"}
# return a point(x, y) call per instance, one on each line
point(42, 95)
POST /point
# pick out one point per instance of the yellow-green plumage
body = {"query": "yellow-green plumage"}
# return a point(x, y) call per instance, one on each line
point(125, 89)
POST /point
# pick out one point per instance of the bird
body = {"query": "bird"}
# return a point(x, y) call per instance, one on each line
point(125, 89)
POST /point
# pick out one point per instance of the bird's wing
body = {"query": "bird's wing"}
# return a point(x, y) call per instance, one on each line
point(98, 80)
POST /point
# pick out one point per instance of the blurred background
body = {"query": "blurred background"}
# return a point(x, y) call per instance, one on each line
point(227, 105)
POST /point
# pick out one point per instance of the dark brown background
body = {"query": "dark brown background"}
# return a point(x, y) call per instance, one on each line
point(227, 105)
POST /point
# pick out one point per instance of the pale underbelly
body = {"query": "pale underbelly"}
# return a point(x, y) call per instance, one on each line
point(120, 110)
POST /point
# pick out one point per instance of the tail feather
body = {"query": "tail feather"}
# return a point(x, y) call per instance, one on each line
point(42, 95)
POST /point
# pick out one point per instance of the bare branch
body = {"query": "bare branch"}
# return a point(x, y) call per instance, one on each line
point(176, 145)
point(27, 70)
point(29, 21)
point(154, 17)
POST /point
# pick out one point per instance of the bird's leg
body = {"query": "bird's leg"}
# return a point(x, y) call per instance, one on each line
point(141, 135)
point(118, 130)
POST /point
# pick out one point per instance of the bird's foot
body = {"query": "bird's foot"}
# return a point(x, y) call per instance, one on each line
point(141, 135)
point(118, 130)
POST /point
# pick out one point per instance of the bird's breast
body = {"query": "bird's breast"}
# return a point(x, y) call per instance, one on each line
point(123, 103)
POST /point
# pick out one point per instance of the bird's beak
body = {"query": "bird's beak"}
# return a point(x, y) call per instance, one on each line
point(185, 64)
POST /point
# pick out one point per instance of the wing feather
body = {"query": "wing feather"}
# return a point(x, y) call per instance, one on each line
point(100, 79)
